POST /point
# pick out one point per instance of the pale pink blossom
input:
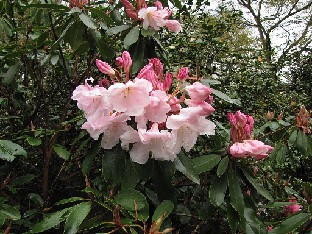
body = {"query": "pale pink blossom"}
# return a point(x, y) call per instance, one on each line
point(174, 103)
point(158, 108)
point(105, 67)
point(89, 99)
point(293, 208)
point(198, 92)
point(174, 26)
point(159, 5)
point(153, 141)
point(186, 126)
point(152, 17)
point(130, 136)
point(130, 98)
point(112, 134)
point(207, 109)
point(254, 148)
point(182, 74)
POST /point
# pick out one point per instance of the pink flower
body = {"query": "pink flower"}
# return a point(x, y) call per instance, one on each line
point(89, 99)
point(158, 108)
point(127, 61)
point(77, 3)
point(269, 228)
point(130, 98)
point(174, 103)
point(253, 148)
point(198, 92)
point(242, 126)
point(152, 17)
point(157, 67)
point(167, 82)
point(119, 62)
point(186, 126)
point(159, 5)
point(207, 109)
point(130, 136)
point(153, 141)
point(293, 208)
point(183, 73)
point(105, 67)
point(174, 26)
point(130, 10)
point(145, 71)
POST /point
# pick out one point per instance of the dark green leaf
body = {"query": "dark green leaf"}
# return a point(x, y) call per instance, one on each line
point(117, 29)
point(292, 138)
point(33, 141)
point(206, 162)
point(218, 189)
point(10, 74)
point(223, 165)
point(87, 21)
point(163, 208)
point(260, 189)
point(90, 155)
point(291, 223)
point(301, 142)
point(9, 212)
point(185, 165)
point(131, 200)
point(236, 195)
point(8, 150)
point(130, 178)
point(132, 37)
point(22, 179)
point(62, 152)
point(76, 217)
point(232, 217)
point(281, 154)
point(69, 200)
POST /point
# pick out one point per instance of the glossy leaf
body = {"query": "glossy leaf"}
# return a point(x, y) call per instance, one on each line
point(87, 21)
point(8, 150)
point(90, 155)
point(132, 37)
point(76, 217)
point(185, 165)
point(236, 195)
point(131, 200)
point(9, 212)
point(301, 142)
point(223, 165)
point(218, 189)
point(164, 208)
point(33, 141)
point(291, 223)
point(206, 162)
point(62, 152)
point(226, 97)
point(117, 29)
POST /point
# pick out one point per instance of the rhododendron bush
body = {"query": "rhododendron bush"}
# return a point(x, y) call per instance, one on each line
point(105, 132)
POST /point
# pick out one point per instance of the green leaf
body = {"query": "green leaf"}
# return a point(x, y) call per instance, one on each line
point(226, 97)
point(10, 74)
point(147, 32)
point(9, 212)
point(164, 208)
point(8, 150)
point(232, 217)
point(128, 198)
point(260, 189)
point(137, 53)
point(281, 154)
point(33, 141)
point(131, 177)
point(132, 37)
point(113, 165)
point(76, 217)
point(236, 195)
point(291, 223)
point(210, 82)
point(223, 165)
point(301, 142)
point(22, 179)
point(218, 189)
point(90, 155)
point(50, 221)
point(61, 152)
point(69, 200)
point(185, 165)
point(117, 29)
point(206, 162)
point(87, 21)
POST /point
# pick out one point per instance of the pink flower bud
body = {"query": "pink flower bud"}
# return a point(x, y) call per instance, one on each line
point(105, 68)
point(127, 61)
point(141, 4)
point(104, 83)
point(159, 5)
point(183, 73)
point(119, 62)
point(241, 118)
point(231, 118)
point(168, 81)
point(77, 3)
point(293, 208)
point(269, 228)
point(130, 10)
point(144, 71)
point(174, 26)
point(157, 66)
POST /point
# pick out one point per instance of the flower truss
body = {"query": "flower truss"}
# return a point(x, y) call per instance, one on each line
point(146, 114)
point(154, 17)
point(241, 128)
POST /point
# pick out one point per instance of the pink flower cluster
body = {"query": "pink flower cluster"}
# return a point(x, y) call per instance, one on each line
point(154, 17)
point(241, 128)
point(142, 112)
point(77, 3)
point(293, 208)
